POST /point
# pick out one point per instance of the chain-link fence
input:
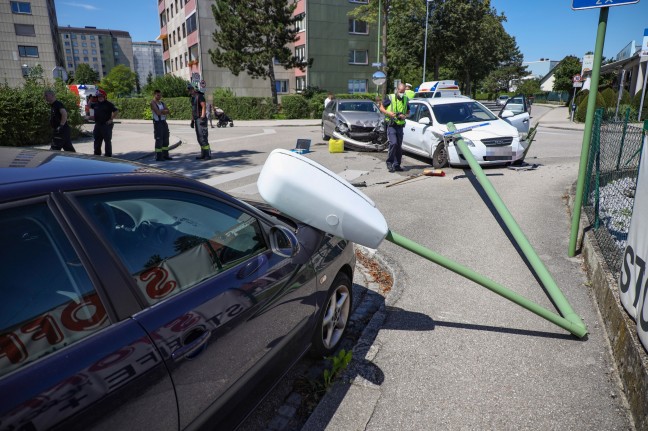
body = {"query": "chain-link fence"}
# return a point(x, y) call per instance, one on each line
point(610, 184)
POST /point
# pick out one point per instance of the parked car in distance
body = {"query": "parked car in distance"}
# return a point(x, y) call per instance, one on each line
point(135, 298)
point(517, 112)
point(501, 100)
point(491, 141)
point(357, 121)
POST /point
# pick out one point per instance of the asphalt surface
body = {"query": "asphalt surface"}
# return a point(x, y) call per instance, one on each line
point(443, 352)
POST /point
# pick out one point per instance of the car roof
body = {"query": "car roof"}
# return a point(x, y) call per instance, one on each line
point(432, 101)
point(19, 165)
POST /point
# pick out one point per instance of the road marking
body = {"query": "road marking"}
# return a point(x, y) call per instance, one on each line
point(251, 189)
point(233, 176)
point(235, 138)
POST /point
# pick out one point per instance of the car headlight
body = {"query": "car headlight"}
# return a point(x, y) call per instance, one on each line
point(467, 141)
point(343, 128)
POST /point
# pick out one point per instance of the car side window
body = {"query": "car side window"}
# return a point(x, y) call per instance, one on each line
point(413, 110)
point(516, 105)
point(48, 300)
point(423, 112)
point(170, 241)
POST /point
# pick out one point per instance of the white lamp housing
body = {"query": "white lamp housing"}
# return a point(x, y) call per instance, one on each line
point(307, 191)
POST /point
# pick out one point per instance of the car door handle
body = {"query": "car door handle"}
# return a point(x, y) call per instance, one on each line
point(525, 121)
point(198, 338)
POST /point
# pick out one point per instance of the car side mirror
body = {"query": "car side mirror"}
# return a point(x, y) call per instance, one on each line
point(309, 192)
point(425, 120)
point(507, 114)
point(283, 241)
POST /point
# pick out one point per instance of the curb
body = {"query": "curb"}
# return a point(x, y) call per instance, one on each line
point(629, 356)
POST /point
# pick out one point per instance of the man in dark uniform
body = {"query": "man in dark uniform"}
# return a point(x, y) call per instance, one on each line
point(160, 127)
point(199, 120)
point(58, 121)
point(104, 113)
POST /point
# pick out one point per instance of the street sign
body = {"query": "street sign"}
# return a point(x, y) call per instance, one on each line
point(376, 64)
point(577, 84)
point(592, 4)
point(576, 78)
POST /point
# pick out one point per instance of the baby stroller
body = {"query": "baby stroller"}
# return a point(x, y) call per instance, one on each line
point(223, 119)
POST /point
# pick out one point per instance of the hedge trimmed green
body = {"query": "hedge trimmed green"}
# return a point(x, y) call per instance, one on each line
point(295, 106)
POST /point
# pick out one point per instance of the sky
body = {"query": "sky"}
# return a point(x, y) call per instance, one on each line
point(542, 28)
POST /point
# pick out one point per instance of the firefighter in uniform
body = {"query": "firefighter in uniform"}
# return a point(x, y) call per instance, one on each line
point(58, 120)
point(396, 109)
point(199, 120)
point(105, 113)
point(160, 127)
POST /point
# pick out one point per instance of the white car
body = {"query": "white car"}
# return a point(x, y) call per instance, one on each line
point(501, 101)
point(492, 140)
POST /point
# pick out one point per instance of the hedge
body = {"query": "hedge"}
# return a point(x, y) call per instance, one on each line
point(295, 106)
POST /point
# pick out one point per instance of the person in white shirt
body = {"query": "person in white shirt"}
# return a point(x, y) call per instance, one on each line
point(329, 97)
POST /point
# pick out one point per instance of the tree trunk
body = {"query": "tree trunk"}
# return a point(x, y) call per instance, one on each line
point(273, 84)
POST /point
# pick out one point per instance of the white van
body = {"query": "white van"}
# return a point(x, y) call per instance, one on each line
point(446, 88)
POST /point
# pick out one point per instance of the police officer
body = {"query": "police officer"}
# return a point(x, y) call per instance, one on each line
point(396, 109)
point(160, 127)
point(199, 120)
point(408, 91)
point(105, 113)
point(58, 120)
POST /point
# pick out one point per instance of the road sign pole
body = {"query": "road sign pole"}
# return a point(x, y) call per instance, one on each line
point(587, 133)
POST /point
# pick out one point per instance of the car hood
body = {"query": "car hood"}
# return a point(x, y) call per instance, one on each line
point(360, 118)
point(494, 129)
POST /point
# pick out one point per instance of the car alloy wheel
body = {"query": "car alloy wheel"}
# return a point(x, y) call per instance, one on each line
point(440, 156)
point(334, 317)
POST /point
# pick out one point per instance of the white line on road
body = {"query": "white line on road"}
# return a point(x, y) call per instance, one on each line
point(234, 138)
point(233, 176)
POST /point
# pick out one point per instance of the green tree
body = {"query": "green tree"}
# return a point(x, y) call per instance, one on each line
point(85, 74)
point(252, 36)
point(529, 87)
point(565, 71)
point(120, 81)
point(149, 79)
point(138, 88)
point(169, 85)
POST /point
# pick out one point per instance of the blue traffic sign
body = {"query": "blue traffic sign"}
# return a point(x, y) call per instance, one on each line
point(591, 4)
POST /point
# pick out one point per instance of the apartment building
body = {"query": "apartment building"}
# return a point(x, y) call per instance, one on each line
point(342, 49)
point(147, 58)
point(102, 49)
point(28, 30)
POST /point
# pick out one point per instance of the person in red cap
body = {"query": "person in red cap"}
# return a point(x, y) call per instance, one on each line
point(104, 113)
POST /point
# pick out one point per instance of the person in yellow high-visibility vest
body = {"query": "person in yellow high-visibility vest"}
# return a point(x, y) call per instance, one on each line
point(396, 109)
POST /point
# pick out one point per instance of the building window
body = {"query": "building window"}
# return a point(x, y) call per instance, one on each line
point(73, 36)
point(184, 30)
point(76, 51)
point(299, 23)
point(94, 59)
point(94, 52)
point(68, 58)
point(174, 37)
point(66, 36)
point(68, 51)
point(83, 37)
point(67, 43)
point(358, 27)
point(27, 51)
point(92, 44)
point(84, 44)
point(85, 51)
point(281, 85)
point(191, 24)
point(77, 59)
point(21, 7)
point(24, 30)
point(86, 59)
point(70, 65)
point(75, 43)
point(357, 86)
point(92, 37)
point(358, 56)
point(178, 34)
point(300, 52)
point(300, 83)
point(171, 10)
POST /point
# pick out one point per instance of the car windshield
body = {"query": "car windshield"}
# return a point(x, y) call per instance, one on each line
point(464, 112)
point(361, 106)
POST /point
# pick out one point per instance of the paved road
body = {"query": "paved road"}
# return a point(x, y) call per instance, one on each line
point(450, 354)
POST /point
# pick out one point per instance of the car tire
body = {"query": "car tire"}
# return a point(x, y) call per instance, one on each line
point(440, 157)
point(333, 318)
point(325, 137)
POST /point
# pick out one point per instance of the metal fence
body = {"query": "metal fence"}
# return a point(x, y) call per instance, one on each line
point(611, 181)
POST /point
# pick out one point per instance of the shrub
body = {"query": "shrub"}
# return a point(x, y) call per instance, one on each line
point(140, 108)
point(636, 101)
point(219, 93)
point(295, 106)
point(581, 110)
point(610, 97)
point(248, 108)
